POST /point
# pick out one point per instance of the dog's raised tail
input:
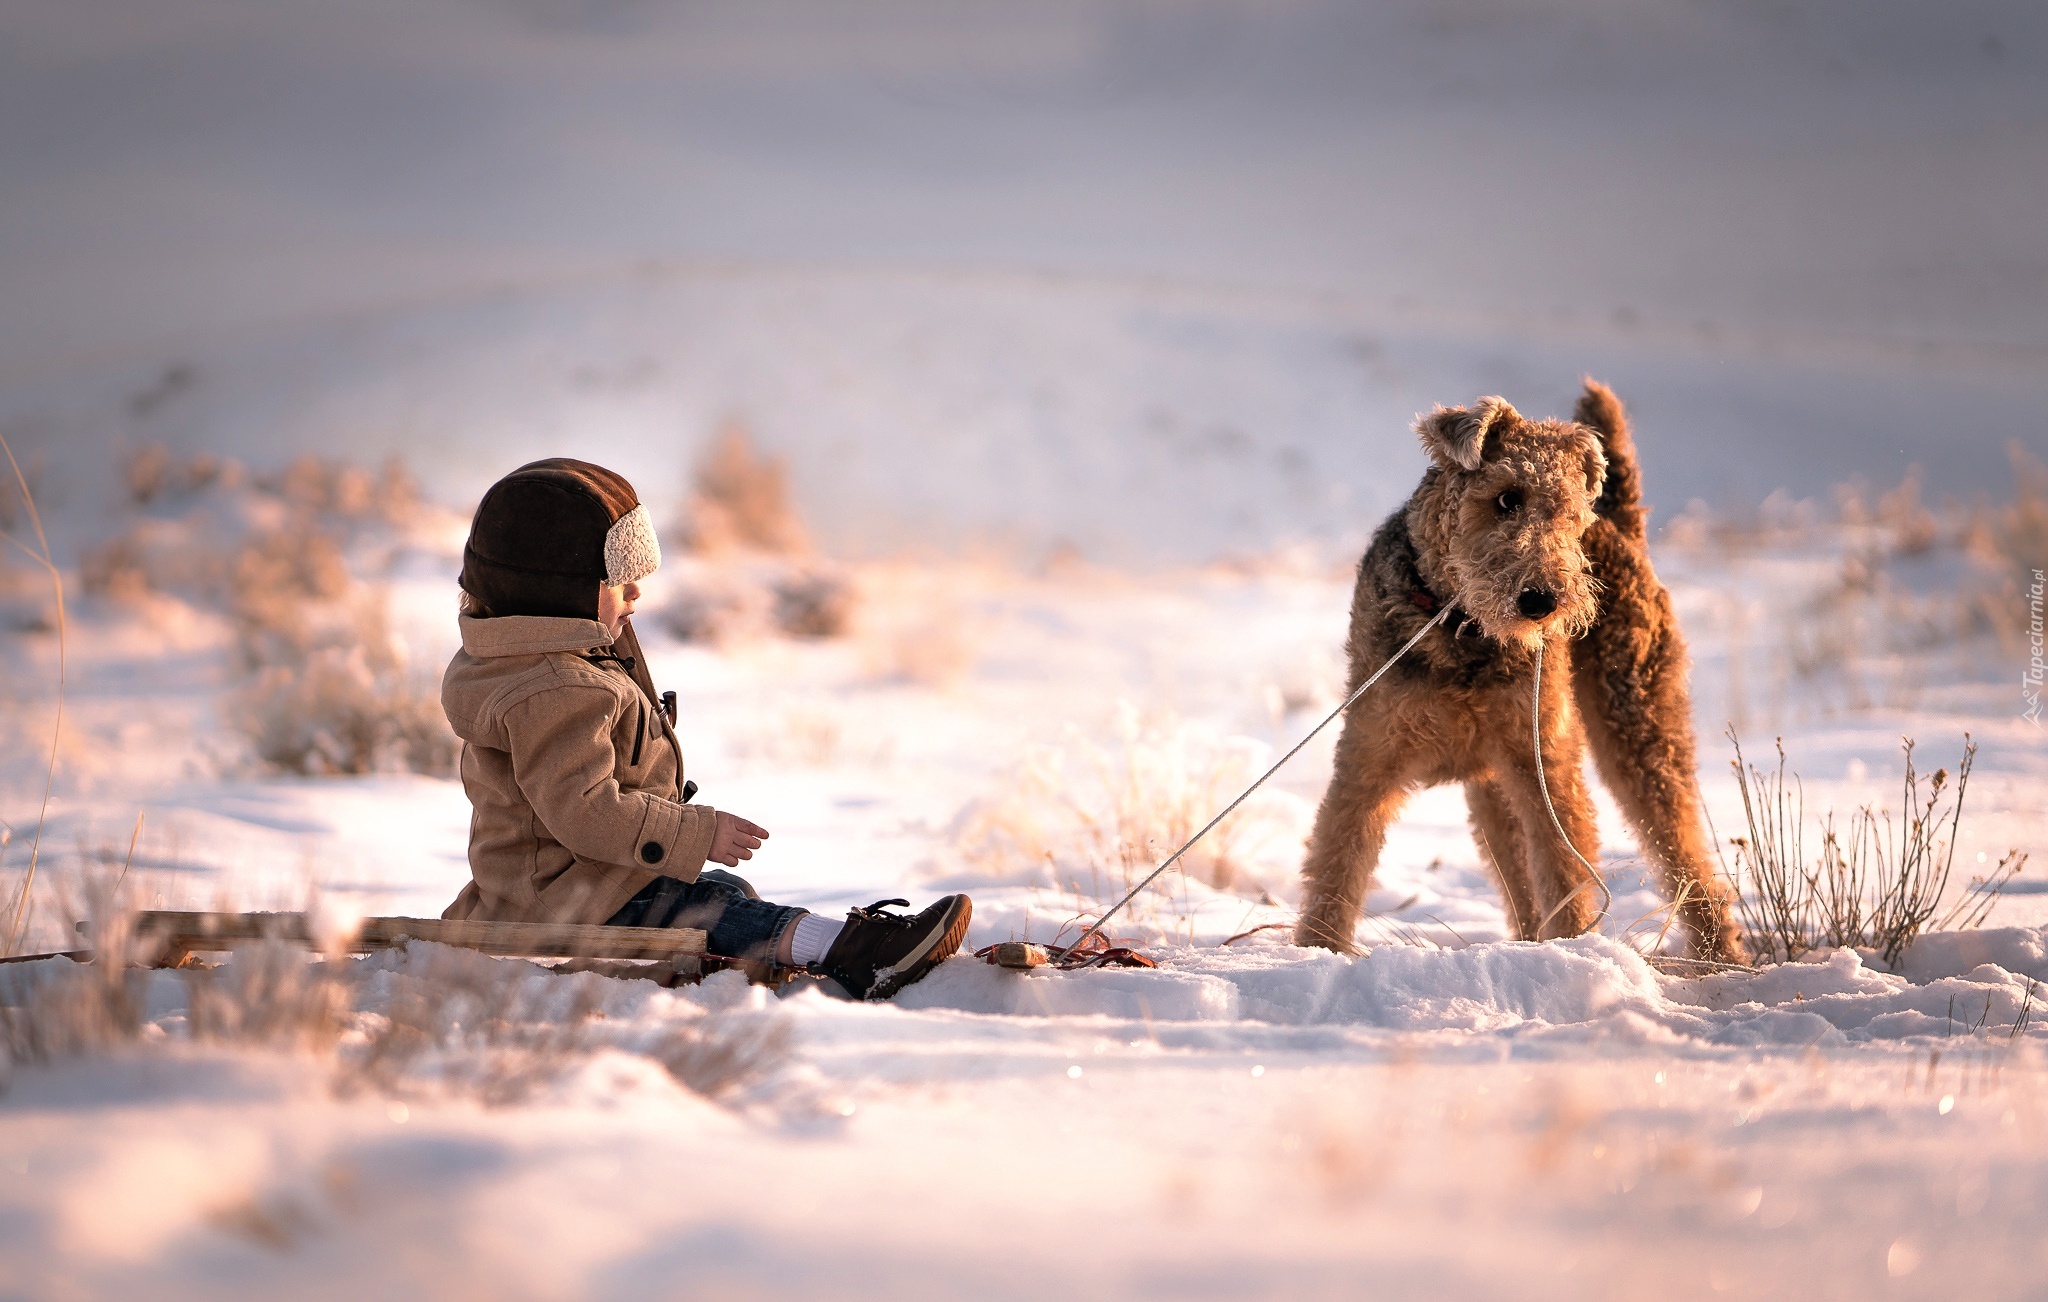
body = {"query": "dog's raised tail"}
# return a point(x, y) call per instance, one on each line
point(1622, 498)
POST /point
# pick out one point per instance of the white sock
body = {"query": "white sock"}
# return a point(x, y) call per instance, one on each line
point(811, 937)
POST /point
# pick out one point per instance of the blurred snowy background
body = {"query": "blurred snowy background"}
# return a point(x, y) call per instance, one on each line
point(1229, 238)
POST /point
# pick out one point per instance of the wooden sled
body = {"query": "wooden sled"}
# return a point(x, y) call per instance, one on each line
point(671, 955)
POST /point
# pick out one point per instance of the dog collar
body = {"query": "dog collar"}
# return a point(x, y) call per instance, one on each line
point(1455, 623)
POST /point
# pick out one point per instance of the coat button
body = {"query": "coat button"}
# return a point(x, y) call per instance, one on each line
point(651, 852)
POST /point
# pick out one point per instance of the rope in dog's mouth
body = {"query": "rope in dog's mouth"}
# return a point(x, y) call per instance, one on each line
point(1536, 737)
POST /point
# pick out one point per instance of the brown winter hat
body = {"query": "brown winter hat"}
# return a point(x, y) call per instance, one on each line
point(548, 533)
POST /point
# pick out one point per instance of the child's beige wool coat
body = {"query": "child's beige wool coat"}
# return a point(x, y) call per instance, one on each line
point(572, 769)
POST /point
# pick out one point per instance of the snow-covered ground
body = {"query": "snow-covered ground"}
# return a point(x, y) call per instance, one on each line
point(1503, 1120)
point(1449, 1115)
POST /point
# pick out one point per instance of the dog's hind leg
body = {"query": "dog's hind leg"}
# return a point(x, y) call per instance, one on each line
point(1369, 784)
point(1629, 677)
point(1628, 674)
point(1499, 838)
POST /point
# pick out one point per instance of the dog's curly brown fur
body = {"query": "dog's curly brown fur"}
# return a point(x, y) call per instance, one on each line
point(1532, 532)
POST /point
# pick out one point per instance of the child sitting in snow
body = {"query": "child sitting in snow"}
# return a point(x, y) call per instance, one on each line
point(581, 811)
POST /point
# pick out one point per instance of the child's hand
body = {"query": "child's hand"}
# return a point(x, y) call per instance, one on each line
point(733, 838)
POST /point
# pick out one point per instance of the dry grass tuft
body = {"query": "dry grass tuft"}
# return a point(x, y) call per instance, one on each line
point(1877, 885)
point(77, 1010)
point(750, 572)
point(329, 688)
point(268, 996)
point(2014, 535)
point(333, 715)
point(42, 556)
point(740, 501)
point(340, 490)
point(713, 606)
point(275, 576)
point(1099, 818)
point(812, 603)
point(471, 1026)
point(935, 647)
point(332, 692)
point(1904, 582)
point(737, 600)
point(437, 1022)
point(60, 1009)
point(153, 474)
point(205, 532)
point(453, 1022)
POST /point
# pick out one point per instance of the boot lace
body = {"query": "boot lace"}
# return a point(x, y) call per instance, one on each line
point(873, 912)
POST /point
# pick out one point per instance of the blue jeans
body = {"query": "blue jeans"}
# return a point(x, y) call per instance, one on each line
point(741, 924)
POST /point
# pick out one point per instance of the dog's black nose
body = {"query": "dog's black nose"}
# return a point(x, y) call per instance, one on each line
point(1535, 603)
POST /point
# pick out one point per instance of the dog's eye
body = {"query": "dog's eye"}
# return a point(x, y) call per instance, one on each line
point(1509, 502)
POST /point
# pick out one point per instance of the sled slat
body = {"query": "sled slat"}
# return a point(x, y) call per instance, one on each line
point(535, 939)
point(175, 933)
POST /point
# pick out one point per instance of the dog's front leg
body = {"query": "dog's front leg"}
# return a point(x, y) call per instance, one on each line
point(1499, 834)
point(1373, 775)
point(1565, 895)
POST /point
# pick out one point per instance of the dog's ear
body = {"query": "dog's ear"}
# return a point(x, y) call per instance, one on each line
point(1459, 436)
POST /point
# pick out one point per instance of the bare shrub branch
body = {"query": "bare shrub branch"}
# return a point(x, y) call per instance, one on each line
point(1875, 885)
point(41, 554)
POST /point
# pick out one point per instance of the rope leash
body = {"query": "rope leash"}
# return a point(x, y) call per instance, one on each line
point(1175, 856)
point(1593, 877)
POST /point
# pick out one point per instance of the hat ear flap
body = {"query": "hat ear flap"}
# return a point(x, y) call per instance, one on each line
point(1457, 437)
point(631, 551)
point(545, 536)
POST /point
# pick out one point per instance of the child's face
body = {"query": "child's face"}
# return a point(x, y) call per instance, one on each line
point(614, 603)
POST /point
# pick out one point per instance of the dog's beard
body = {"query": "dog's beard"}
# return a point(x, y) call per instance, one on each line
point(1496, 616)
point(1524, 633)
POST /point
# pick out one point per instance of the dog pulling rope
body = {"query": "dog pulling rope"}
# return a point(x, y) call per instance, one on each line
point(1536, 736)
